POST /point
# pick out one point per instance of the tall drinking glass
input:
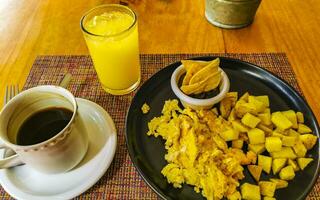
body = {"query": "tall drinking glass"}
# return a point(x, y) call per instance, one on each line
point(111, 34)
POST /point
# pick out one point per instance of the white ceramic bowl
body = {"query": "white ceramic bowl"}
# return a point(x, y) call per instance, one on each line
point(195, 103)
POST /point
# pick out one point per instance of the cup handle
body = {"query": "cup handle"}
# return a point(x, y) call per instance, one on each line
point(12, 159)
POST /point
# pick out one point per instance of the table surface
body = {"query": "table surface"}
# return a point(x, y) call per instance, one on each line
point(33, 27)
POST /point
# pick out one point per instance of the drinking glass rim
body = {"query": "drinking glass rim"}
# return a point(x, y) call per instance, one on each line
point(108, 5)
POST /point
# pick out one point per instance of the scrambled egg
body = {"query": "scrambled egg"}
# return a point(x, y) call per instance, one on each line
point(196, 154)
point(145, 108)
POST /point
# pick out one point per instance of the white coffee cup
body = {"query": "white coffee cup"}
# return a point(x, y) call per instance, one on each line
point(59, 153)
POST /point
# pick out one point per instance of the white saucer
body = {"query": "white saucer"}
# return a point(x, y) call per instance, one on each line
point(22, 182)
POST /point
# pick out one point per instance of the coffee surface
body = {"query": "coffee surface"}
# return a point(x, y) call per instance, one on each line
point(43, 125)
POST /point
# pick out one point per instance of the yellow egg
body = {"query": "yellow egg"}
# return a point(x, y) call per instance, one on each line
point(196, 154)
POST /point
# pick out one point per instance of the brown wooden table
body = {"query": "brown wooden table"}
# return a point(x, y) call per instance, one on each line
point(33, 27)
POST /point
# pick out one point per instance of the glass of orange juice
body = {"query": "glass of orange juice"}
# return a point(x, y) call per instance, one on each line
point(111, 34)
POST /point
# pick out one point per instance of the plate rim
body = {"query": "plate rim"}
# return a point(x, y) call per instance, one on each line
point(208, 58)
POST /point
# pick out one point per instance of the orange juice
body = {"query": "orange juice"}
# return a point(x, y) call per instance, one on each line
point(112, 39)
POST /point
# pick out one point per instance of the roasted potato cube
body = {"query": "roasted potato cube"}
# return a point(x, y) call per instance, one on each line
point(250, 120)
point(234, 196)
point(250, 192)
point(243, 136)
point(257, 148)
point(255, 171)
point(292, 132)
point(271, 126)
point(244, 97)
point(289, 141)
point(259, 106)
point(238, 144)
point(277, 134)
point(278, 164)
point(230, 134)
point(265, 128)
point(283, 132)
point(269, 198)
point(302, 128)
point(232, 115)
point(239, 126)
point(308, 140)
point(256, 136)
point(280, 183)
point(287, 173)
point(252, 157)
point(299, 149)
point(300, 117)
point(280, 120)
point(294, 165)
point(226, 105)
point(265, 162)
point(291, 115)
point(221, 144)
point(273, 144)
point(264, 99)
point(233, 96)
point(242, 108)
point(286, 152)
point(267, 188)
point(303, 162)
point(265, 117)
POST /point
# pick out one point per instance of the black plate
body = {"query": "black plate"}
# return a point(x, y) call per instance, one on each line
point(147, 153)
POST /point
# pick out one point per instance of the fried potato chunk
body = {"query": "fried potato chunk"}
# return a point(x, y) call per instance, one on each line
point(209, 149)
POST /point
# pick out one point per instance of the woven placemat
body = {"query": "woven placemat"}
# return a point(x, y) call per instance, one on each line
point(122, 181)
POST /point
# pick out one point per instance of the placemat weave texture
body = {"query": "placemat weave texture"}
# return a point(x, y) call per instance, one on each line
point(122, 181)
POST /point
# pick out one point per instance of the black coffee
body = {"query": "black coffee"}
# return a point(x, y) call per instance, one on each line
point(43, 125)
